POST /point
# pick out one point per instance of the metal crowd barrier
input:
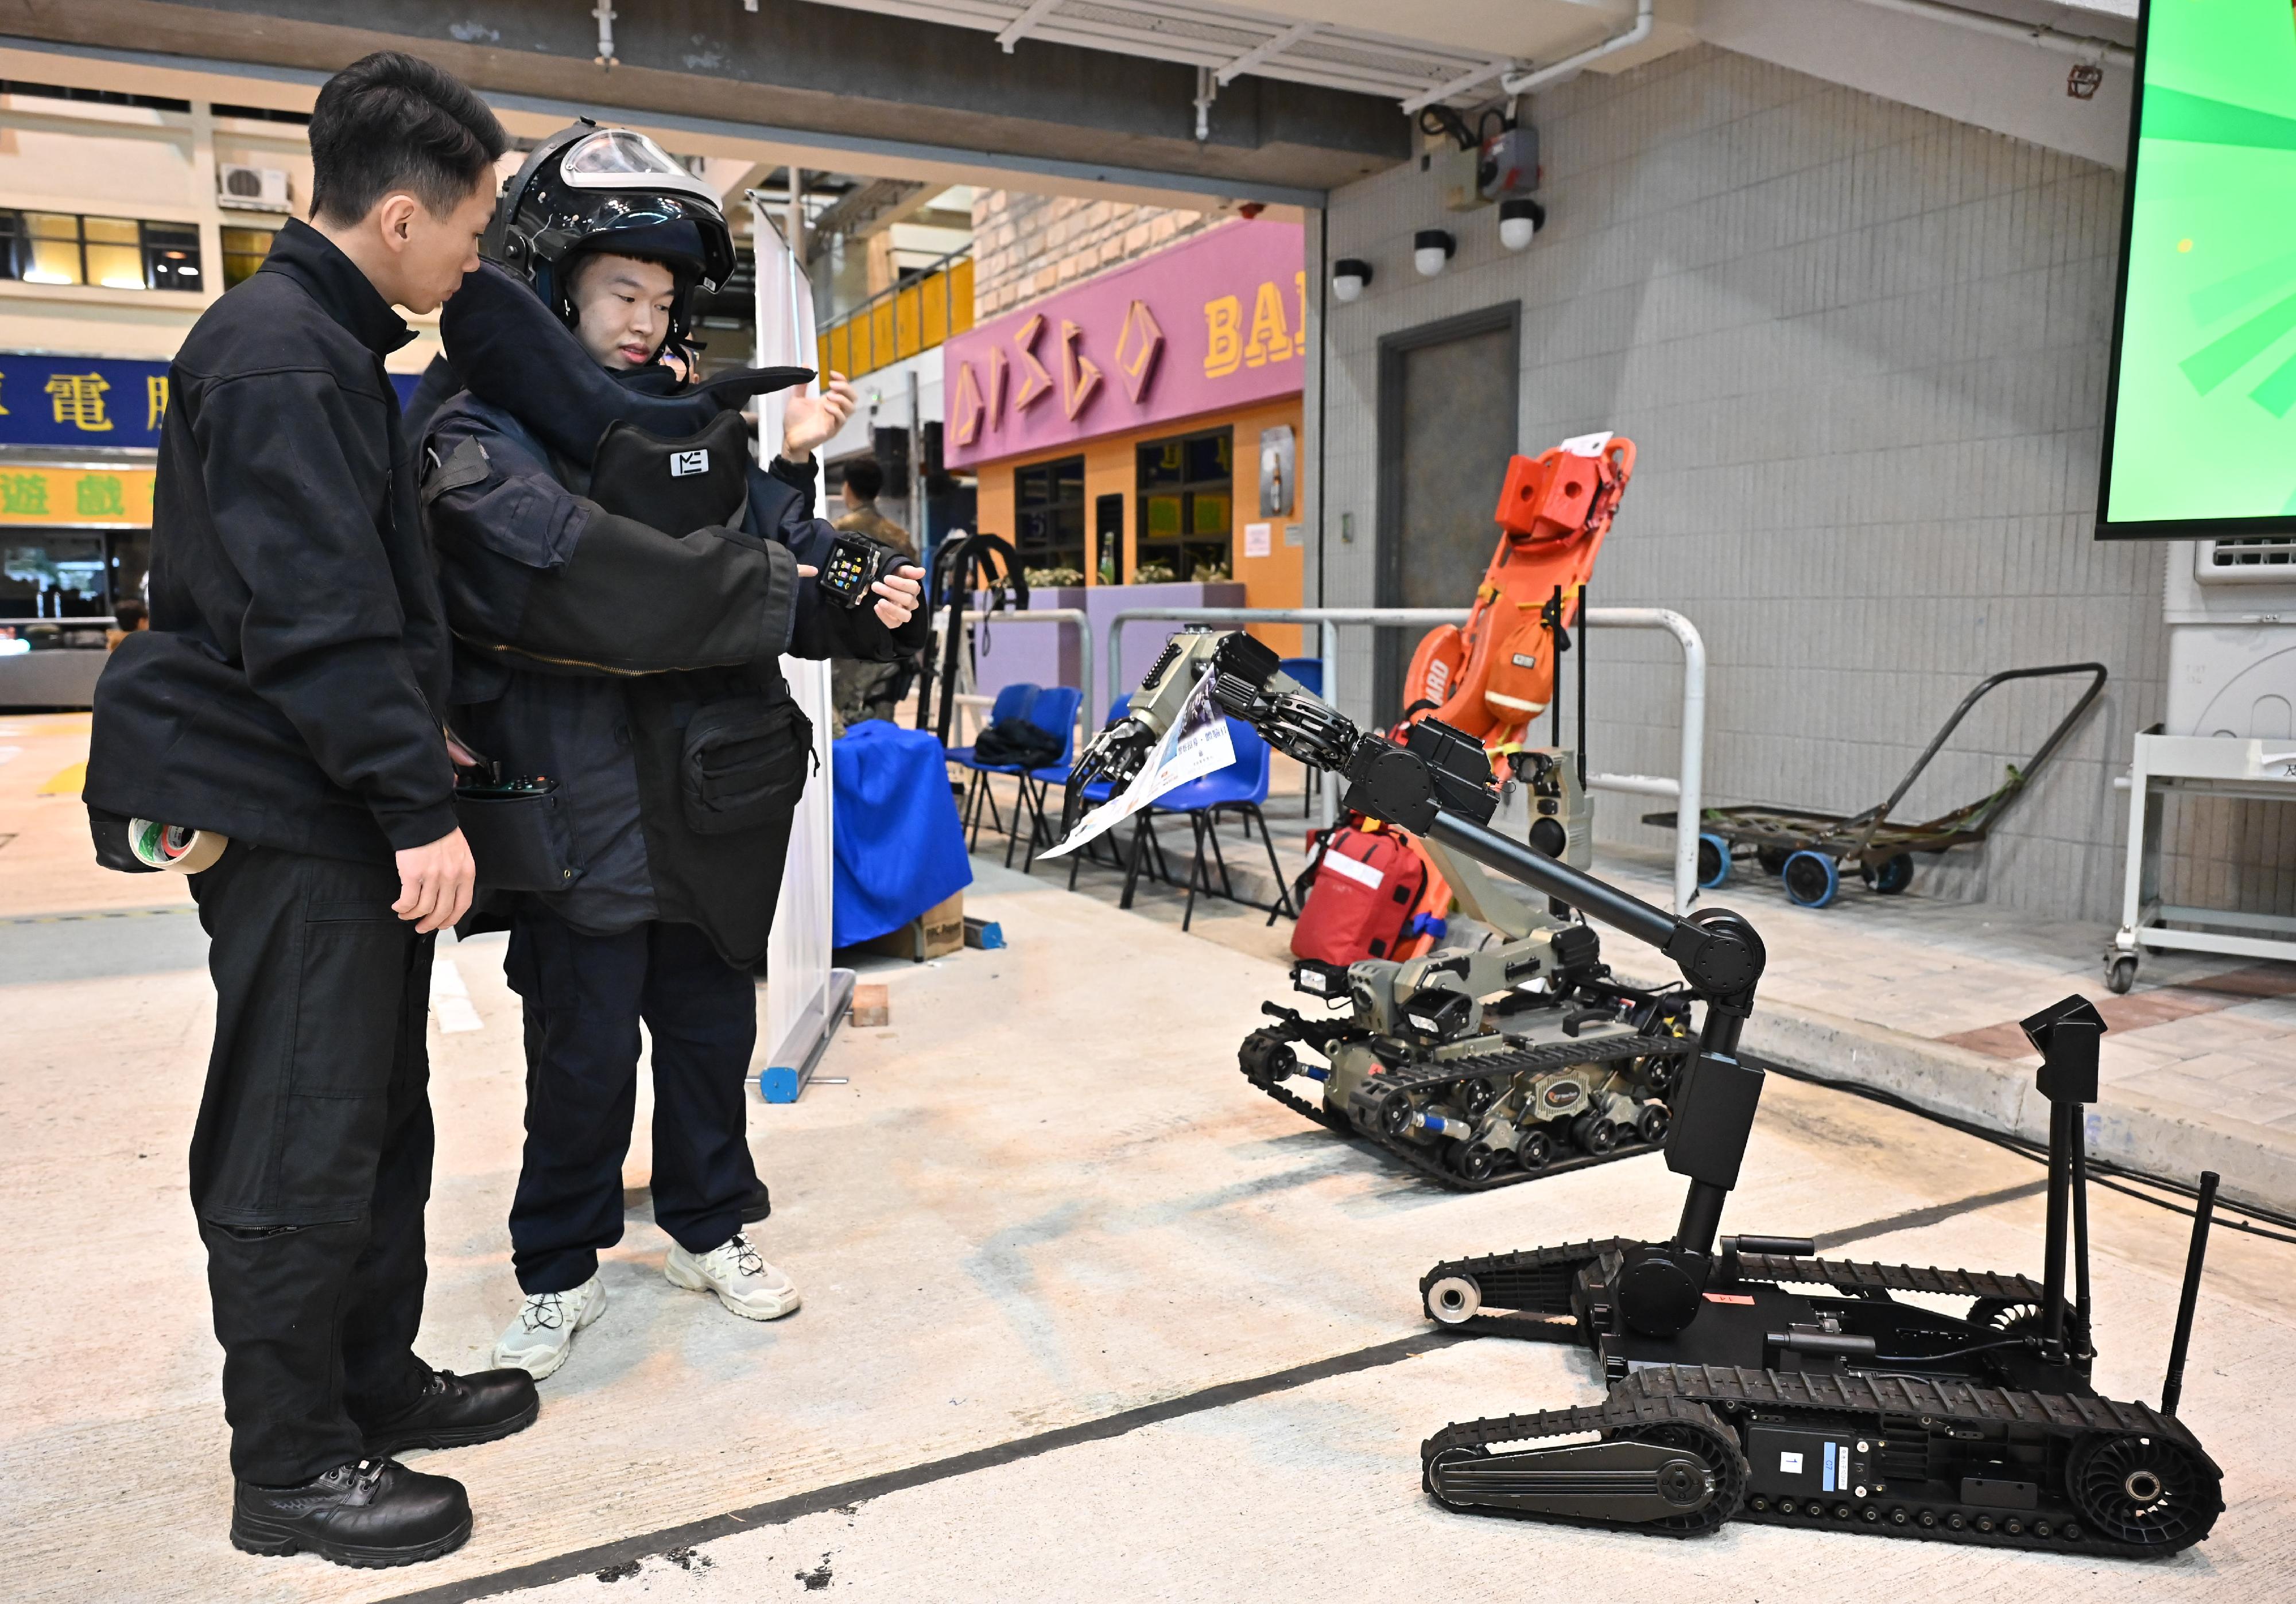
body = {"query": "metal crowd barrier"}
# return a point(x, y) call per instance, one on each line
point(1087, 717)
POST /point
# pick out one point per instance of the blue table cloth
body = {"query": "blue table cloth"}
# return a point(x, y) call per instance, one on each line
point(900, 846)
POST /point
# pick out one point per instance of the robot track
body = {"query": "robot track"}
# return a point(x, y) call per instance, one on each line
point(1390, 1110)
point(1678, 1450)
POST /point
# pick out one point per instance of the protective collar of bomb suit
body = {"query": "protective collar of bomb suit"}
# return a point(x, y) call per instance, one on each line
point(511, 351)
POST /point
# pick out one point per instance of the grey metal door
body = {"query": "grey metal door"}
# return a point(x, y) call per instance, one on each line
point(1447, 427)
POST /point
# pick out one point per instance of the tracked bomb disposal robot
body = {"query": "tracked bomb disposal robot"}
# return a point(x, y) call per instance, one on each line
point(1479, 1068)
point(1731, 1397)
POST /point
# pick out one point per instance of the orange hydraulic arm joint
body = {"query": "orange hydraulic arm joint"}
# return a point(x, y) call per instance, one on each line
point(1494, 675)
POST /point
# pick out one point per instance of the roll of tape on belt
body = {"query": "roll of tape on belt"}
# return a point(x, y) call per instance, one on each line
point(174, 846)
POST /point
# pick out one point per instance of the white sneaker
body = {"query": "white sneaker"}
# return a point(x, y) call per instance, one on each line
point(540, 1338)
point(742, 1279)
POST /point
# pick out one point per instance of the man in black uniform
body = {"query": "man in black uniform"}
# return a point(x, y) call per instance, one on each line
point(623, 581)
point(291, 695)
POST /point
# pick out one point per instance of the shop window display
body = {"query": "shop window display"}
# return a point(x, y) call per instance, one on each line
point(1048, 510)
point(1187, 507)
point(1108, 538)
point(110, 253)
point(53, 574)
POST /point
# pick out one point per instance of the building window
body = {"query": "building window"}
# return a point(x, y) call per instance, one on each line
point(171, 256)
point(106, 97)
point(1187, 504)
point(1048, 507)
point(114, 253)
point(244, 251)
point(261, 114)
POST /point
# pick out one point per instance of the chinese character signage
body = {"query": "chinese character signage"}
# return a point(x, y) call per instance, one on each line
point(1215, 324)
point(80, 401)
point(82, 497)
point(90, 402)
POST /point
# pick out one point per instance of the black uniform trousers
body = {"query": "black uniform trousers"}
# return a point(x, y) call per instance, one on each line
point(583, 996)
point(311, 1162)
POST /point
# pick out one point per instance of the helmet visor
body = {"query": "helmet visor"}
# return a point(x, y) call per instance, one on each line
point(617, 158)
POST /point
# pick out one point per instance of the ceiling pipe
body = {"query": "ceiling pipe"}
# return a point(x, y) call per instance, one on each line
point(2084, 47)
point(1538, 77)
point(605, 13)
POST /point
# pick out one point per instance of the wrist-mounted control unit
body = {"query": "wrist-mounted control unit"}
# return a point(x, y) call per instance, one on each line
point(854, 564)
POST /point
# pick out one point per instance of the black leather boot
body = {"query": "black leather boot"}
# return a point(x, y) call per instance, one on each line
point(370, 1514)
point(454, 1411)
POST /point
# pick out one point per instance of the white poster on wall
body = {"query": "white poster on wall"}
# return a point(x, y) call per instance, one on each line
point(804, 997)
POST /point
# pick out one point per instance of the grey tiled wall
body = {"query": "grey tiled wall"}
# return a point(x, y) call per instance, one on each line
point(1862, 350)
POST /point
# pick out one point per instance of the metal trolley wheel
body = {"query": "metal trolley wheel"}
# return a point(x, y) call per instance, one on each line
point(1891, 875)
point(1713, 861)
point(2119, 972)
point(1811, 879)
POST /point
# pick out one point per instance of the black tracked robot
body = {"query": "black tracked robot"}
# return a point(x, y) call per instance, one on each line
point(1730, 1396)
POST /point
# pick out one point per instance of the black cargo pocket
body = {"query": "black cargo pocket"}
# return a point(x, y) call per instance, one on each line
point(350, 988)
point(519, 839)
point(745, 765)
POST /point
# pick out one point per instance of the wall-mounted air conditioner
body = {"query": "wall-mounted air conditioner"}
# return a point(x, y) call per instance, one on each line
point(251, 188)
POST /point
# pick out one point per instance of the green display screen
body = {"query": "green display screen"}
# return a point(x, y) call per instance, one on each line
point(2199, 435)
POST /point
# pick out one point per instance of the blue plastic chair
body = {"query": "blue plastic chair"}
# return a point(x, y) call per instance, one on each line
point(1239, 787)
point(1055, 711)
point(1014, 702)
point(1097, 793)
point(1308, 672)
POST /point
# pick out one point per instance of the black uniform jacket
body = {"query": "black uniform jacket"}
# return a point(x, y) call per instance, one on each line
point(291, 688)
point(638, 668)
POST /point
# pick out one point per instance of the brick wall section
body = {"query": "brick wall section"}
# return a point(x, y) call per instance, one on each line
point(1862, 349)
point(1025, 246)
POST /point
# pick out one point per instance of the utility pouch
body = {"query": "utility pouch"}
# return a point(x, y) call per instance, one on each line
point(745, 765)
point(518, 834)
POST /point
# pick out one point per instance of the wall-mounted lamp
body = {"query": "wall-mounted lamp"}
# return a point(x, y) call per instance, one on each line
point(1350, 275)
point(1518, 220)
point(1430, 247)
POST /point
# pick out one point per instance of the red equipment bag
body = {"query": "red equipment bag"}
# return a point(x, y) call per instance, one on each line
point(1367, 883)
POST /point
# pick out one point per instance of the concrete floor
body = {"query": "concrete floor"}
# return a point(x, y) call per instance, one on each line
point(1041, 1198)
point(1920, 996)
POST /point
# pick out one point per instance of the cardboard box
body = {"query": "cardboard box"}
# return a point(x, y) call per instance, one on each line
point(936, 933)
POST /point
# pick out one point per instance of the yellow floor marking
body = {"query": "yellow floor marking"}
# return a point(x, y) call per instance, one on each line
point(65, 782)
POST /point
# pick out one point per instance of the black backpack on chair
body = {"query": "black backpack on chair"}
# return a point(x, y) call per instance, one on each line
point(1017, 744)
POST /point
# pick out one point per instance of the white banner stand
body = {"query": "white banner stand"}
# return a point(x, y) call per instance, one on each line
point(806, 999)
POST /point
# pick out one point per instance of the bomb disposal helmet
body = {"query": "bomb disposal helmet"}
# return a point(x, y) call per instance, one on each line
point(588, 189)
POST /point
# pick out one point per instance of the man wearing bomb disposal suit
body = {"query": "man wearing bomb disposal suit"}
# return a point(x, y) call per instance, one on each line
point(622, 581)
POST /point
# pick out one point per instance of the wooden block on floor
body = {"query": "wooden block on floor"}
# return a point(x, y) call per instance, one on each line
point(871, 1006)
